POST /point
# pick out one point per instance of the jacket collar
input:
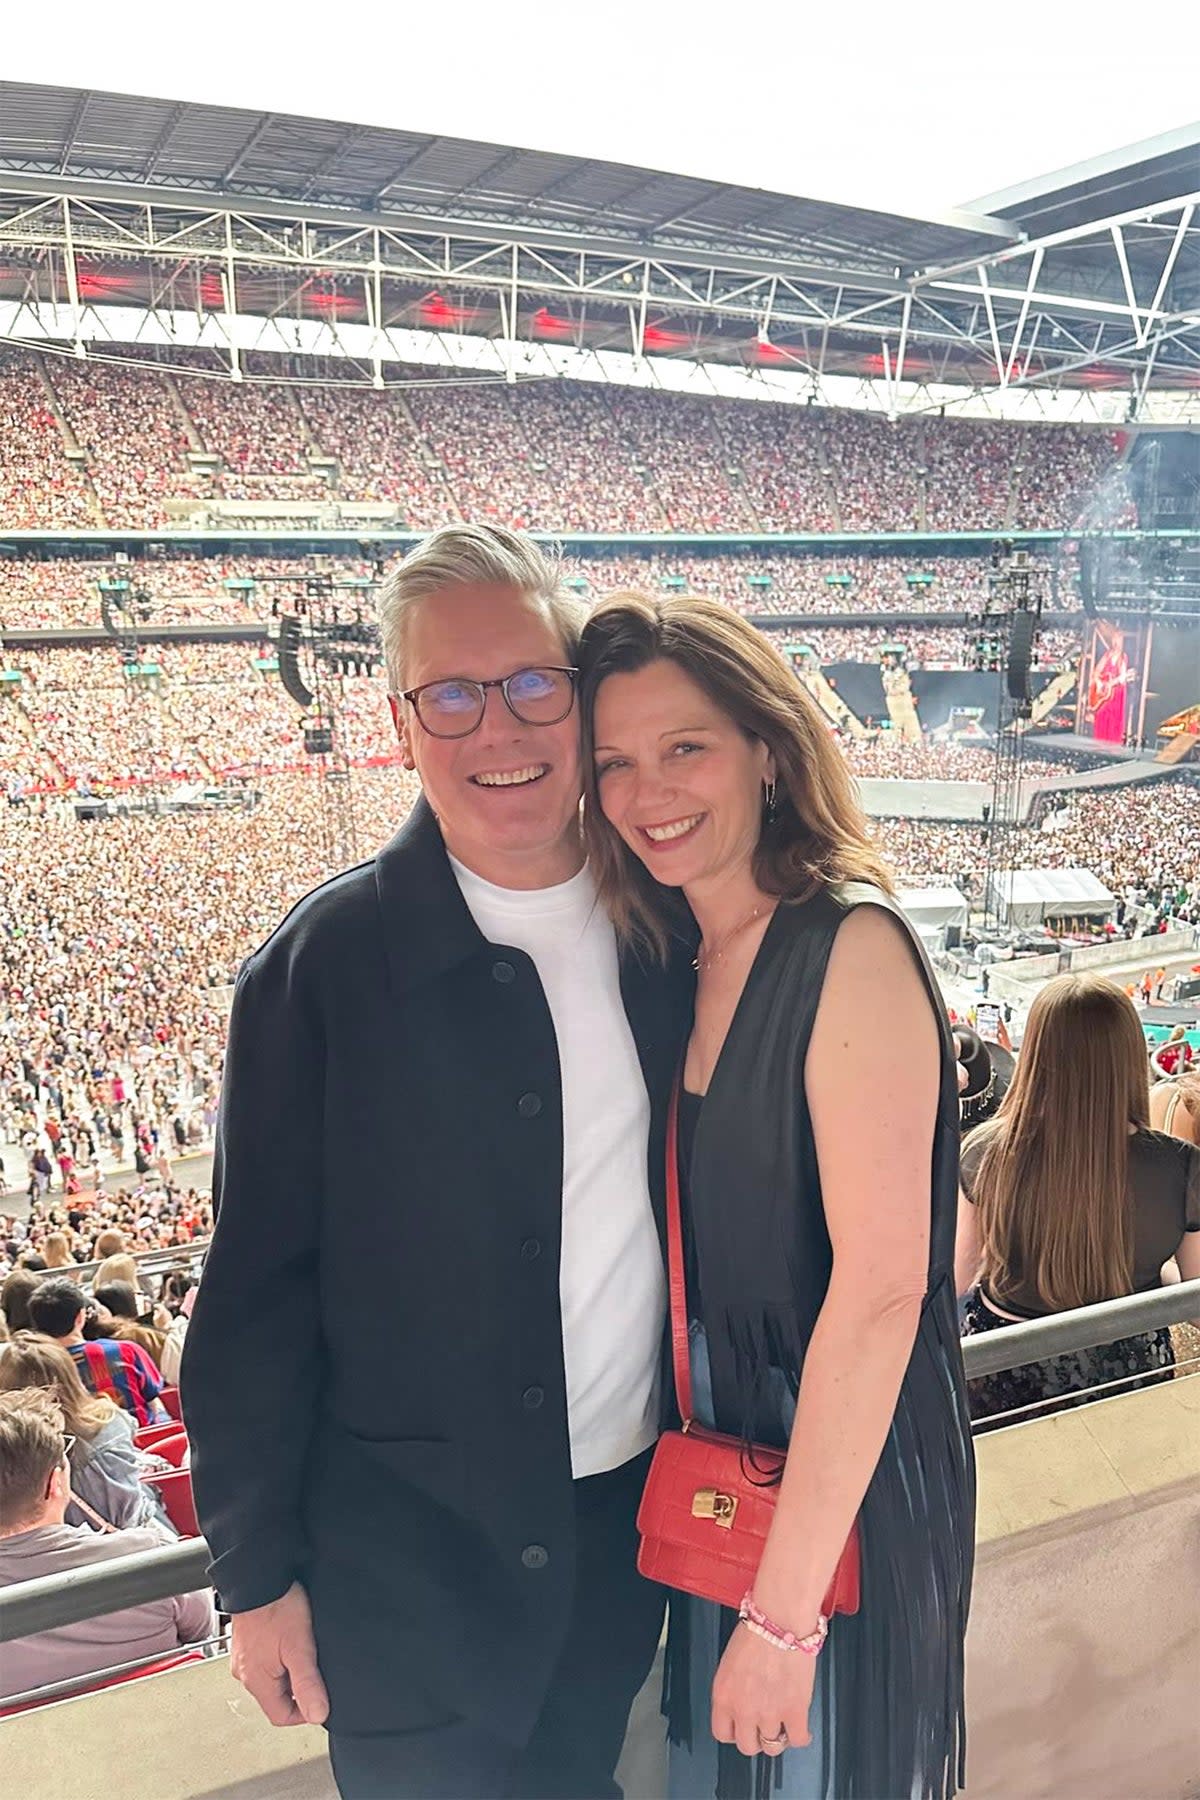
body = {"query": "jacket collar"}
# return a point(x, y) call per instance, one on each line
point(427, 925)
point(428, 929)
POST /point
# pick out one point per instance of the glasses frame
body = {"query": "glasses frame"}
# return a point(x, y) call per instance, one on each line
point(64, 1461)
point(413, 696)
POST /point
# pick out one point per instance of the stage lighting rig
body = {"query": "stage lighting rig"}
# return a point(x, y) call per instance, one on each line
point(324, 636)
point(1012, 616)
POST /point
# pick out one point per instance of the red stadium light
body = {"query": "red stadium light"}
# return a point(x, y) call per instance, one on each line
point(547, 325)
point(330, 302)
point(655, 337)
point(212, 293)
point(437, 311)
point(94, 285)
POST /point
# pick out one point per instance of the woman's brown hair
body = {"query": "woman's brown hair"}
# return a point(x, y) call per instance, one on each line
point(33, 1361)
point(1051, 1188)
point(818, 834)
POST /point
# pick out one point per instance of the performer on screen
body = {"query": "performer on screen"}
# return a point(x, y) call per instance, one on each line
point(1107, 694)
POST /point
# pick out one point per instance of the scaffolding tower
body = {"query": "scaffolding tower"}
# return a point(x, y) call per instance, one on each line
point(1013, 614)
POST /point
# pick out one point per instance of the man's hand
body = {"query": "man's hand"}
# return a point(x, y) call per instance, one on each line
point(274, 1656)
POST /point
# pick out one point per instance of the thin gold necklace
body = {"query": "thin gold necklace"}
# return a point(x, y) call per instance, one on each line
point(705, 961)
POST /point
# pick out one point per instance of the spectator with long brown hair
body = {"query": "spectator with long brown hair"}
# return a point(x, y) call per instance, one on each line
point(1069, 1198)
point(106, 1468)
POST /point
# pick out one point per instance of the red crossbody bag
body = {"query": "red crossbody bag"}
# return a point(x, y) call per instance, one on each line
point(709, 1499)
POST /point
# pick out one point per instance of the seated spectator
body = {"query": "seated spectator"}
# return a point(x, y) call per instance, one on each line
point(59, 1309)
point(35, 1540)
point(1069, 1198)
point(106, 1465)
point(57, 1252)
point(122, 1270)
point(110, 1243)
point(1175, 1107)
point(123, 1317)
point(14, 1298)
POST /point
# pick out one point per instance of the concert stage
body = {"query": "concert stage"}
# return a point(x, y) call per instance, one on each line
point(1075, 745)
point(966, 802)
point(1119, 772)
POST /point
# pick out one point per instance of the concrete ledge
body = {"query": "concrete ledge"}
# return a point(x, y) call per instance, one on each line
point(1050, 1471)
point(1085, 1627)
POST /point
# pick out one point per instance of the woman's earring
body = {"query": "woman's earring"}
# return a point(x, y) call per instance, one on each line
point(770, 793)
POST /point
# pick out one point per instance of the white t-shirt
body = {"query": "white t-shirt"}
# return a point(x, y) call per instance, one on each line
point(611, 1284)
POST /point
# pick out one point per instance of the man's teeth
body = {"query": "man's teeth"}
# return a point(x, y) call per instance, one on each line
point(513, 777)
point(662, 834)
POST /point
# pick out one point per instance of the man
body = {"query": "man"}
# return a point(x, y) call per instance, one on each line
point(114, 1367)
point(35, 1489)
point(438, 1055)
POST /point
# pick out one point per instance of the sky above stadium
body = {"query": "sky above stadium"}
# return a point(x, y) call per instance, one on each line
point(917, 109)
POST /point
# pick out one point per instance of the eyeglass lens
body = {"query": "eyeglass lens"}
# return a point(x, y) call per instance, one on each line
point(535, 696)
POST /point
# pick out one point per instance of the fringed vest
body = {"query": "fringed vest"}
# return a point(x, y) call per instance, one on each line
point(894, 1727)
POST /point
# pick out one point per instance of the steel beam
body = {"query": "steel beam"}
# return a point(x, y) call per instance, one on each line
point(81, 107)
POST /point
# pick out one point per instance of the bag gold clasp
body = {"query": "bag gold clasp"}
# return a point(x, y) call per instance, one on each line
point(710, 1503)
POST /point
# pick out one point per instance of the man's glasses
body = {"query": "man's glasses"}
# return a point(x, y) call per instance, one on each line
point(454, 708)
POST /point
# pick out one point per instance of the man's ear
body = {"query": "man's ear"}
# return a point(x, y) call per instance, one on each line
point(400, 721)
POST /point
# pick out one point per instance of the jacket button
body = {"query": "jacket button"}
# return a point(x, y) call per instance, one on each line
point(529, 1105)
point(503, 972)
point(532, 1398)
point(531, 1249)
point(535, 1556)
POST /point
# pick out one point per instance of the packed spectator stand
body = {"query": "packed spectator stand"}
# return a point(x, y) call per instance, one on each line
point(115, 445)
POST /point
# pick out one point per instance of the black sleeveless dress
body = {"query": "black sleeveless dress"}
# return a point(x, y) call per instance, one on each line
point(892, 1724)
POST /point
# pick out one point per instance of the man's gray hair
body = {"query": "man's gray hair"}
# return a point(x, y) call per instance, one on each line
point(466, 556)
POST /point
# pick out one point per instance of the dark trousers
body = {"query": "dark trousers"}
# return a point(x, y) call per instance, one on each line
point(616, 1619)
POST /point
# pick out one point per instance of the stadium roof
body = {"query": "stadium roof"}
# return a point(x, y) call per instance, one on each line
point(223, 150)
point(1090, 276)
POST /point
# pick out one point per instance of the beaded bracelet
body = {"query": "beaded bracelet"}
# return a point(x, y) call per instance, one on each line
point(765, 1628)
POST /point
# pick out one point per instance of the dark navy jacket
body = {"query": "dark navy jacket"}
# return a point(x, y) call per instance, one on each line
point(380, 1310)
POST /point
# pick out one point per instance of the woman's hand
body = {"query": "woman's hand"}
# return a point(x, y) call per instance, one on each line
point(761, 1696)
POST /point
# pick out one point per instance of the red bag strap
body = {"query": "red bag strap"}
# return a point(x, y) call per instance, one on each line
point(675, 1280)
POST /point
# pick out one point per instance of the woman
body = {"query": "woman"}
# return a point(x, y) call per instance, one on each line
point(122, 1316)
point(1175, 1107)
point(106, 1466)
point(819, 1250)
point(1068, 1197)
point(19, 1284)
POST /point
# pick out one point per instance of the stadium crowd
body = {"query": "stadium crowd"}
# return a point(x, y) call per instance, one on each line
point(561, 457)
point(199, 711)
point(180, 588)
point(888, 757)
point(1148, 846)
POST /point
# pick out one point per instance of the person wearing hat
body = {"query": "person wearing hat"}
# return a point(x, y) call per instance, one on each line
point(989, 1072)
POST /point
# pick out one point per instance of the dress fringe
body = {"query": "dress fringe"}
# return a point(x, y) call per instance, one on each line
point(894, 1710)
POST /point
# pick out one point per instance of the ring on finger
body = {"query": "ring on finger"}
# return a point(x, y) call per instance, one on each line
point(772, 1745)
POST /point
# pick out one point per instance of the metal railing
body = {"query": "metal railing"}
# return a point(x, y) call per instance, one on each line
point(55, 1600)
point(149, 1262)
point(1084, 1328)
